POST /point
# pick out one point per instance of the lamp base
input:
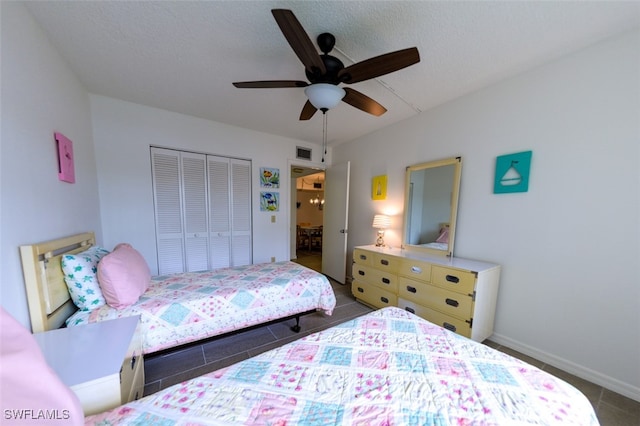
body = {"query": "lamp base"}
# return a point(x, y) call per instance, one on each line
point(380, 241)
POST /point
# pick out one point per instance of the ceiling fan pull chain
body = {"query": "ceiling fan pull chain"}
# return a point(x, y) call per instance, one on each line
point(324, 134)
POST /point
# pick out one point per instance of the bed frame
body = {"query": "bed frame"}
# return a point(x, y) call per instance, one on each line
point(47, 294)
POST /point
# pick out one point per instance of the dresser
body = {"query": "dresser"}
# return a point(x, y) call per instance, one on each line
point(457, 294)
point(101, 362)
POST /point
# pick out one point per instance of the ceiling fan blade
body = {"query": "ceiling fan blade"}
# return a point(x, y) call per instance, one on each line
point(270, 84)
point(307, 111)
point(299, 40)
point(379, 65)
point(363, 102)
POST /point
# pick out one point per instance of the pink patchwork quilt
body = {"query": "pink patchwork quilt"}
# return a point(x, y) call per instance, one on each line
point(182, 308)
point(388, 367)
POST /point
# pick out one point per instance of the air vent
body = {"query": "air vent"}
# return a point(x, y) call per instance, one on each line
point(303, 153)
point(317, 185)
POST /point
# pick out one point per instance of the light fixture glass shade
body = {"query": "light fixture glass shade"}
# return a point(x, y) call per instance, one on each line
point(324, 96)
point(381, 221)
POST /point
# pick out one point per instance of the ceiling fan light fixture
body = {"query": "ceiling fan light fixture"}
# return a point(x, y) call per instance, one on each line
point(324, 96)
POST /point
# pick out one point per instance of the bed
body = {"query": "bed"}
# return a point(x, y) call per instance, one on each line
point(181, 308)
point(388, 367)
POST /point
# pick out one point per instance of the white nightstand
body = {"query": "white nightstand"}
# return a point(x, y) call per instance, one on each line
point(102, 362)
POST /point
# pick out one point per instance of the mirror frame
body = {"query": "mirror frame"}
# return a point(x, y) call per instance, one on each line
point(455, 191)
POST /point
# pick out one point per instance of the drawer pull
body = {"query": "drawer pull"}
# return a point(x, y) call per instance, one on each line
point(411, 289)
point(361, 273)
point(448, 326)
point(385, 262)
point(408, 309)
point(416, 269)
point(363, 257)
point(386, 280)
point(360, 289)
point(133, 361)
point(384, 299)
point(452, 302)
point(452, 279)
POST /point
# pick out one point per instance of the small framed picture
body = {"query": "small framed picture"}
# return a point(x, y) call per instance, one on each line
point(66, 171)
point(269, 201)
point(269, 177)
point(512, 173)
point(379, 187)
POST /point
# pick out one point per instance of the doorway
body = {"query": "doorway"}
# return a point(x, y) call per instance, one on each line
point(308, 216)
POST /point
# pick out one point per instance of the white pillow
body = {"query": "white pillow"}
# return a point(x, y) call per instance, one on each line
point(80, 274)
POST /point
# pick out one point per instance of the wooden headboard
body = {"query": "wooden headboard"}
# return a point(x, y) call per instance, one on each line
point(47, 294)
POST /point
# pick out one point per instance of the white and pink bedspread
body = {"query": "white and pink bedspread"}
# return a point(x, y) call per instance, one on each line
point(388, 367)
point(182, 308)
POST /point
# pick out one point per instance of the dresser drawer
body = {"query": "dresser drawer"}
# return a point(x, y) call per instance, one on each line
point(415, 269)
point(445, 301)
point(450, 323)
point(362, 257)
point(385, 262)
point(382, 279)
point(453, 279)
point(372, 295)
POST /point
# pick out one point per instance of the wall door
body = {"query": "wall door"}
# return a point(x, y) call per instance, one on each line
point(336, 221)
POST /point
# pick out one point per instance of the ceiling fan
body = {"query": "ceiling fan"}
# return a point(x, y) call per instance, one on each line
point(326, 72)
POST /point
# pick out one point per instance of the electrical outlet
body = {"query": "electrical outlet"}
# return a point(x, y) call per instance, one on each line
point(273, 259)
point(273, 218)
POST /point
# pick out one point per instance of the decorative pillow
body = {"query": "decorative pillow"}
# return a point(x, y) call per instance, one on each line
point(80, 275)
point(124, 276)
point(444, 236)
point(30, 389)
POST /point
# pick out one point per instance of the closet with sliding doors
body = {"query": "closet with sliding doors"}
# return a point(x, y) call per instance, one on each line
point(202, 209)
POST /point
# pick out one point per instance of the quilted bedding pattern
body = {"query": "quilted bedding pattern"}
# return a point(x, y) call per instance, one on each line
point(182, 308)
point(388, 367)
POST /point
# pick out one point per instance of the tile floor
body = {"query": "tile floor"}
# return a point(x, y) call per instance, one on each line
point(169, 368)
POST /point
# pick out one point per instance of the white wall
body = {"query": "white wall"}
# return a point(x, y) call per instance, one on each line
point(569, 248)
point(123, 133)
point(40, 95)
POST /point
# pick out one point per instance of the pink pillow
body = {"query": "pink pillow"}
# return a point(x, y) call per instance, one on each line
point(123, 276)
point(31, 391)
point(442, 238)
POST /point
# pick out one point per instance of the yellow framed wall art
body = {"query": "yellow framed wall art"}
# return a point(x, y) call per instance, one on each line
point(379, 187)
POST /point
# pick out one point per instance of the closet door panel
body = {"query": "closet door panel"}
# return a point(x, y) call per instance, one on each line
point(241, 250)
point(194, 182)
point(219, 211)
point(220, 252)
point(166, 172)
point(241, 246)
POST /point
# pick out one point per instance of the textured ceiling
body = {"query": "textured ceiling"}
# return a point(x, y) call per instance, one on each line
point(183, 56)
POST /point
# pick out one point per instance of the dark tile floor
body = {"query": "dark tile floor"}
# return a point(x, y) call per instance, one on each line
point(170, 368)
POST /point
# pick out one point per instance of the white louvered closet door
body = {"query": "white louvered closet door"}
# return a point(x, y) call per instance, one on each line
point(219, 211)
point(241, 247)
point(194, 184)
point(203, 211)
point(166, 174)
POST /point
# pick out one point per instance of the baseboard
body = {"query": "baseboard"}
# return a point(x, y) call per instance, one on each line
point(610, 383)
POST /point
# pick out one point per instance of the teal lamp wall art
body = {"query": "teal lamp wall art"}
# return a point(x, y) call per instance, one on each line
point(512, 173)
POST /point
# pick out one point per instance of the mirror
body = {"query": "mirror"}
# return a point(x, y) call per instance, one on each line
point(431, 205)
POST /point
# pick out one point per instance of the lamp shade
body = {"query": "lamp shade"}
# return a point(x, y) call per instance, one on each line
point(324, 96)
point(381, 221)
